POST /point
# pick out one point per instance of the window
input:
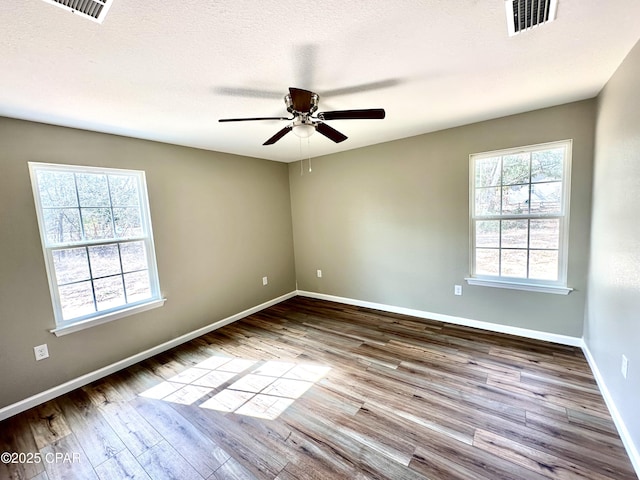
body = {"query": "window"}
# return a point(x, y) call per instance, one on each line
point(96, 235)
point(519, 217)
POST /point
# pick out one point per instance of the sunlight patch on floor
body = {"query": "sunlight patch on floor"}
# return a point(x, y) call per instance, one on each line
point(264, 392)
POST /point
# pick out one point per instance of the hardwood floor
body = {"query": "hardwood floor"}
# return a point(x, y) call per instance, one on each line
point(310, 389)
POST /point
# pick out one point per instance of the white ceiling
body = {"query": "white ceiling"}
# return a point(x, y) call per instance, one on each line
point(168, 71)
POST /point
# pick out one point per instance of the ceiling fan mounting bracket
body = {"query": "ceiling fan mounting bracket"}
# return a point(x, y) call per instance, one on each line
point(303, 120)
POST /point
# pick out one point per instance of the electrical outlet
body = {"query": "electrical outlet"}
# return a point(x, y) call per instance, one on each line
point(41, 352)
point(624, 368)
point(319, 273)
point(265, 280)
point(457, 289)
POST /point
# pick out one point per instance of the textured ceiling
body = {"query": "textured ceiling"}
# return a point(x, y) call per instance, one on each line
point(169, 73)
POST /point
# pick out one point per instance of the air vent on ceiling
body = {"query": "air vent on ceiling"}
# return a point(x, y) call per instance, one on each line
point(526, 14)
point(94, 10)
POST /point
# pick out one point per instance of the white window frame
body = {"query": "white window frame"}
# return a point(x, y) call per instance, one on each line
point(558, 286)
point(64, 327)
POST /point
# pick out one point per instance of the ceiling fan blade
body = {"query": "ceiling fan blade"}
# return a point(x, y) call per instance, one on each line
point(248, 92)
point(252, 119)
point(330, 132)
point(363, 87)
point(278, 135)
point(300, 99)
point(365, 114)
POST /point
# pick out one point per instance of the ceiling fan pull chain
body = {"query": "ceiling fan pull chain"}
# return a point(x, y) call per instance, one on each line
point(309, 153)
point(301, 159)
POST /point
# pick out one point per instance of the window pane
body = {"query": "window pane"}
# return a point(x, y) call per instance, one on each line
point(547, 165)
point(62, 225)
point(487, 172)
point(124, 190)
point(488, 233)
point(97, 223)
point(105, 260)
point(515, 169)
point(76, 300)
point(109, 292)
point(514, 233)
point(127, 222)
point(545, 197)
point(514, 263)
point(545, 233)
point(134, 256)
point(487, 261)
point(543, 264)
point(138, 286)
point(71, 265)
point(515, 200)
point(93, 190)
point(57, 189)
point(487, 201)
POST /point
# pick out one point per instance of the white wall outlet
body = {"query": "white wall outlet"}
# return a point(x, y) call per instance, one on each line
point(265, 280)
point(319, 273)
point(41, 352)
point(624, 368)
point(457, 289)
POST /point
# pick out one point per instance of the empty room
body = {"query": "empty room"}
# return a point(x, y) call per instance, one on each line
point(319, 240)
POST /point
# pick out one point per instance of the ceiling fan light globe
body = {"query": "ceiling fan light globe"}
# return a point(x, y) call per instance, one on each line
point(304, 131)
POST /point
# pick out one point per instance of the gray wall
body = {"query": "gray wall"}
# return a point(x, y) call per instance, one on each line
point(390, 223)
point(220, 222)
point(612, 326)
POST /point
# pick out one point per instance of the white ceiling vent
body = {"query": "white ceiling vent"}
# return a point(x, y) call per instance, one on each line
point(526, 14)
point(94, 10)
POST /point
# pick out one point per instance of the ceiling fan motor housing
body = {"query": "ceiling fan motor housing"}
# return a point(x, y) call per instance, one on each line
point(306, 106)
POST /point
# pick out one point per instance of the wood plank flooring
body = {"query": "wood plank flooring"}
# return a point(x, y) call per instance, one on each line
point(310, 389)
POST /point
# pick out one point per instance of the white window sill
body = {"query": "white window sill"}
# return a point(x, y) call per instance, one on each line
point(531, 287)
point(109, 317)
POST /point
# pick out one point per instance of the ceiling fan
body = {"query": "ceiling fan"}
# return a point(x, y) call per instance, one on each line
point(302, 104)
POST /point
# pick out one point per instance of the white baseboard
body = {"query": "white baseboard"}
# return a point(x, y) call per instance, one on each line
point(66, 387)
point(467, 322)
point(625, 436)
